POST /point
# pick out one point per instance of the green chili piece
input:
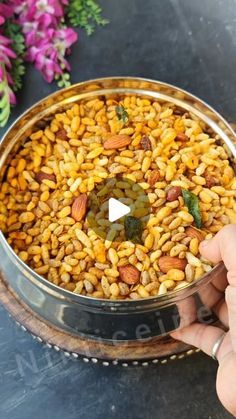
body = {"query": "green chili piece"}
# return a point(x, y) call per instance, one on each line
point(122, 114)
point(192, 202)
point(133, 229)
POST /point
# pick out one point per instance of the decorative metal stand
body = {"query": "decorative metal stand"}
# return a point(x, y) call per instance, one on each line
point(137, 352)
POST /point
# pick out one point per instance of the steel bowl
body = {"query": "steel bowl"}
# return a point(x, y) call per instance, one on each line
point(102, 319)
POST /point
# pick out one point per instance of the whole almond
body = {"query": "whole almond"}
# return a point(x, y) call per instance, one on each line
point(153, 177)
point(173, 193)
point(117, 141)
point(129, 274)
point(79, 207)
point(181, 137)
point(167, 262)
point(40, 176)
point(195, 233)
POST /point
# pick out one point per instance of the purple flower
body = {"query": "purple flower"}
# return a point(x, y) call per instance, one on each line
point(44, 60)
point(6, 53)
point(54, 7)
point(20, 6)
point(43, 6)
point(46, 40)
point(64, 38)
point(49, 52)
point(6, 11)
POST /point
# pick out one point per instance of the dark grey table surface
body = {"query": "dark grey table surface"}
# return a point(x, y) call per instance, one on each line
point(191, 44)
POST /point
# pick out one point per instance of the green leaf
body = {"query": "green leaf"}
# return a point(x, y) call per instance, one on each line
point(13, 31)
point(191, 201)
point(85, 14)
point(133, 229)
point(63, 80)
point(17, 72)
point(4, 103)
point(3, 100)
point(122, 114)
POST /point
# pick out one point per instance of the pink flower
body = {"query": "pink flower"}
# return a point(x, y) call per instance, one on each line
point(6, 11)
point(54, 7)
point(6, 52)
point(43, 6)
point(44, 60)
point(35, 30)
point(50, 10)
point(46, 41)
point(64, 38)
point(49, 52)
point(19, 6)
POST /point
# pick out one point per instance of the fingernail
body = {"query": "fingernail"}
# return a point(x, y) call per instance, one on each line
point(174, 335)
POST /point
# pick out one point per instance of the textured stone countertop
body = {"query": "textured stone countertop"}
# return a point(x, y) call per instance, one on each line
point(188, 43)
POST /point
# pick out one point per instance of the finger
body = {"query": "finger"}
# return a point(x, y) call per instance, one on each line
point(220, 280)
point(223, 247)
point(204, 337)
point(230, 298)
point(212, 295)
point(221, 310)
point(187, 311)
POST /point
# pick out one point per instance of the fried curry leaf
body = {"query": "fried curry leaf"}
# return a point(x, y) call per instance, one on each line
point(191, 201)
point(133, 229)
point(122, 114)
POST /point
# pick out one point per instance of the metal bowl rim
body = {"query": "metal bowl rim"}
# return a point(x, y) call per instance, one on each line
point(86, 300)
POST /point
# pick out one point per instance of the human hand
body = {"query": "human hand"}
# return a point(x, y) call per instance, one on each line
point(221, 247)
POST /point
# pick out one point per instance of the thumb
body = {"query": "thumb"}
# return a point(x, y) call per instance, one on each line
point(222, 247)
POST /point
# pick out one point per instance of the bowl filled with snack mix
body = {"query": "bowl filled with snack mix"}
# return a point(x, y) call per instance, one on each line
point(76, 158)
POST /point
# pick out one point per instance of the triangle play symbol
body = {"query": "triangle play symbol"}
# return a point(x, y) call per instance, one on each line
point(116, 209)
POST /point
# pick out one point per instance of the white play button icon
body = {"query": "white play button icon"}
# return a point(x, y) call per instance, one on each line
point(116, 210)
point(108, 208)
